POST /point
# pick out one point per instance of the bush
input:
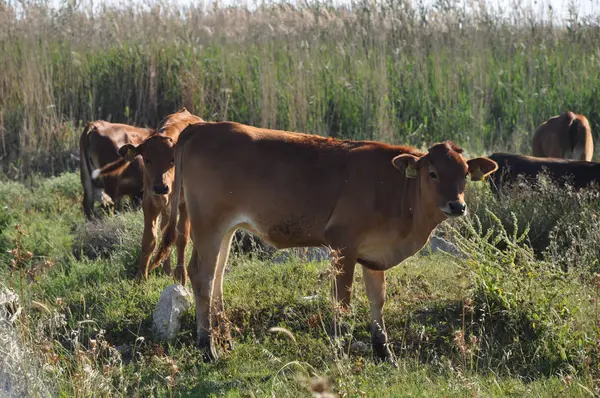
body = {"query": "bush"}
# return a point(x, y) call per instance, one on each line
point(525, 315)
point(556, 218)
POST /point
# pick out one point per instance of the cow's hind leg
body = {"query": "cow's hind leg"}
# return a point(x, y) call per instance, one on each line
point(375, 287)
point(219, 307)
point(201, 271)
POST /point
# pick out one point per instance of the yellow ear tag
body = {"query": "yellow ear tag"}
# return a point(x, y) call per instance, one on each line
point(130, 156)
point(476, 175)
point(411, 172)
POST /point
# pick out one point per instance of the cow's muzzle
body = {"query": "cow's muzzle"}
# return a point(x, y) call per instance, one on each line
point(161, 189)
point(454, 208)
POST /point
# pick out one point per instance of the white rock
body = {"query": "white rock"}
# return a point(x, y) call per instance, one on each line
point(440, 244)
point(166, 318)
point(359, 348)
point(10, 308)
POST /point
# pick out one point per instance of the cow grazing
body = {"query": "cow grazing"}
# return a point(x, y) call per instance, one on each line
point(374, 204)
point(158, 156)
point(566, 136)
point(98, 146)
point(577, 172)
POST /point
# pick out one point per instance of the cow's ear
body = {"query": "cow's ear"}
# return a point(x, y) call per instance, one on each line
point(407, 163)
point(479, 168)
point(129, 152)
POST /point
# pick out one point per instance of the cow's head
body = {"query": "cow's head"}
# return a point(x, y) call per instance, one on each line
point(443, 173)
point(159, 156)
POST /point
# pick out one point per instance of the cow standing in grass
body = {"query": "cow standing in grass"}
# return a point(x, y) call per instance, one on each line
point(158, 157)
point(98, 146)
point(566, 136)
point(374, 204)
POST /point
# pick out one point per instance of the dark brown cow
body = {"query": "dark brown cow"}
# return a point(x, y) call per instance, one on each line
point(566, 136)
point(577, 172)
point(373, 203)
point(158, 155)
point(98, 146)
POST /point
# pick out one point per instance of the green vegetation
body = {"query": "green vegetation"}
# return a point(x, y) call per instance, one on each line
point(382, 70)
point(496, 323)
point(518, 316)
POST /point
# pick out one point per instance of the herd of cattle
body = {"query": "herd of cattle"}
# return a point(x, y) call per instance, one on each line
point(373, 204)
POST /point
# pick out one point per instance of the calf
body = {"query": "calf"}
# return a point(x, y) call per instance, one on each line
point(567, 136)
point(374, 204)
point(158, 156)
point(98, 146)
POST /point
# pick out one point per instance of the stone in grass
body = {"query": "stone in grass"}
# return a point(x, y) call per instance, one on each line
point(437, 243)
point(166, 318)
point(10, 307)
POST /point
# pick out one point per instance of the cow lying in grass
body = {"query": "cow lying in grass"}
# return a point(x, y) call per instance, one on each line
point(374, 204)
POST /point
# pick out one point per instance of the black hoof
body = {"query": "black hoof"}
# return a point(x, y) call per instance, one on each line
point(209, 351)
point(382, 353)
point(229, 345)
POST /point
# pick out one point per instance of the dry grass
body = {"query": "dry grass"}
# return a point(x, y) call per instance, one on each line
point(386, 71)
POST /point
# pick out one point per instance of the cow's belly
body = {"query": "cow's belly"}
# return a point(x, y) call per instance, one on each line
point(284, 232)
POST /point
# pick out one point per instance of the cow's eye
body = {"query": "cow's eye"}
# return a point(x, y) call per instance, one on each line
point(172, 162)
point(146, 161)
point(433, 175)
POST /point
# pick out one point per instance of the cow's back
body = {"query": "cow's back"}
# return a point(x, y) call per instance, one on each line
point(105, 139)
point(579, 173)
point(551, 138)
point(286, 184)
point(566, 136)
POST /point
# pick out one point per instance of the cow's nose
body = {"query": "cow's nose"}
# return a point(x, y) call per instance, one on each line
point(161, 189)
point(457, 208)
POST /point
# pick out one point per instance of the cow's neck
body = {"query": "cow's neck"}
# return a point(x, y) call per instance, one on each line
point(424, 216)
point(417, 218)
point(426, 213)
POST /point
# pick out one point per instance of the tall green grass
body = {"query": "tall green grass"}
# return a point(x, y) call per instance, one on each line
point(371, 70)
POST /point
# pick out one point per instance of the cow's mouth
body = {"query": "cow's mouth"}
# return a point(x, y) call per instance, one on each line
point(450, 214)
point(454, 208)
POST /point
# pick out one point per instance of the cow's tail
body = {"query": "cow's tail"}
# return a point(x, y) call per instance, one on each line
point(84, 169)
point(111, 169)
point(169, 233)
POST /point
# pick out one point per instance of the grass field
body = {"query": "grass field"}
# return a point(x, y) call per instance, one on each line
point(510, 322)
point(518, 316)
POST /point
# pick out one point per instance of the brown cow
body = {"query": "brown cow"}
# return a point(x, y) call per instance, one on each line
point(577, 172)
point(567, 136)
point(158, 155)
point(98, 146)
point(373, 203)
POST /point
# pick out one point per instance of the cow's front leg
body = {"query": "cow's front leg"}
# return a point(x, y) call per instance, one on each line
point(344, 261)
point(183, 236)
point(148, 239)
point(375, 287)
point(164, 221)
